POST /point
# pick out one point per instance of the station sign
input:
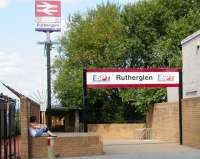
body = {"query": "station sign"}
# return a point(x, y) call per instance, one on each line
point(48, 15)
point(132, 78)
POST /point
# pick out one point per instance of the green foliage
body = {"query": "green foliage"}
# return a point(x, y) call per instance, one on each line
point(141, 35)
point(143, 99)
point(92, 41)
point(167, 50)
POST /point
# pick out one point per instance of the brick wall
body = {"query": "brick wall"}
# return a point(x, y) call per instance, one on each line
point(67, 145)
point(27, 109)
point(38, 147)
point(116, 131)
point(164, 119)
point(191, 122)
point(24, 121)
point(35, 111)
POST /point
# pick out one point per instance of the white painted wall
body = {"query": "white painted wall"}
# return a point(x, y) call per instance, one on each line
point(172, 94)
point(191, 66)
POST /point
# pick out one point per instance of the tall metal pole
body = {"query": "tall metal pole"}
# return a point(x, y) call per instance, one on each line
point(180, 106)
point(48, 51)
point(85, 96)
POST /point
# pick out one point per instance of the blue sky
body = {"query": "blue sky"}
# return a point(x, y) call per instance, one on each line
point(22, 61)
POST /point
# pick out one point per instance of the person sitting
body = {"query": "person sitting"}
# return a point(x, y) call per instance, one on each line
point(38, 130)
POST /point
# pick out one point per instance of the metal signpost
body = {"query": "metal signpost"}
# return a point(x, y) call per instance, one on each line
point(48, 20)
point(48, 15)
point(132, 78)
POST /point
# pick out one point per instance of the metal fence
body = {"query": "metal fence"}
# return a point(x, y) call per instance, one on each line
point(145, 133)
point(8, 133)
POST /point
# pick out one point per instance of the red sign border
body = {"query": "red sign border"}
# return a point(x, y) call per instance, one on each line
point(132, 86)
point(134, 70)
point(102, 86)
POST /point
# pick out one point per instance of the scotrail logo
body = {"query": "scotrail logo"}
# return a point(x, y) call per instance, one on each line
point(166, 78)
point(101, 78)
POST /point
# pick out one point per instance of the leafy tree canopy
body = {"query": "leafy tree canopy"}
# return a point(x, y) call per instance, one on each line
point(140, 35)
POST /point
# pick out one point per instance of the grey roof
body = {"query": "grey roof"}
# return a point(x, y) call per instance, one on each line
point(3, 98)
point(19, 95)
point(58, 107)
point(187, 39)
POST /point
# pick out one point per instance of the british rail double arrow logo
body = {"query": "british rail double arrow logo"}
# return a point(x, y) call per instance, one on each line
point(48, 8)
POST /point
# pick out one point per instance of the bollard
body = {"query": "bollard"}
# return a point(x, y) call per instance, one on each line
point(51, 154)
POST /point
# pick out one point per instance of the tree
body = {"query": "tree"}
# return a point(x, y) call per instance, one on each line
point(167, 49)
point(154, 30)
point(93, 41)
point(141, 35)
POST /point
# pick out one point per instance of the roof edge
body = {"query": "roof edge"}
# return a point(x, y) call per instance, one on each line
point(190, 37)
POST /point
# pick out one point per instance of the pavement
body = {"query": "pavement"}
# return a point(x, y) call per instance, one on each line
point(123, 149)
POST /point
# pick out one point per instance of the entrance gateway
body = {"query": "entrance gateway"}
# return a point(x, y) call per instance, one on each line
point(132, 78)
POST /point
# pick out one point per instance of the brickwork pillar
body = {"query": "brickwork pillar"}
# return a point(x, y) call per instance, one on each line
point(24, 119)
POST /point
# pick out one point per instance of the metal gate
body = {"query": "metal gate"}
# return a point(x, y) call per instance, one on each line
point(8, 132)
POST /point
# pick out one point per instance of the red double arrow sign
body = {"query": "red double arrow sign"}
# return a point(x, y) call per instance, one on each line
point(47, 8)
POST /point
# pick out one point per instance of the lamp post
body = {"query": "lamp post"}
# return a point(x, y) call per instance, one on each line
point(48, 20)
point(48, 45)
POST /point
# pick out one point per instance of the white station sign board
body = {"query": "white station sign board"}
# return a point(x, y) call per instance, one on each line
point(132, 78)
point(48, 15)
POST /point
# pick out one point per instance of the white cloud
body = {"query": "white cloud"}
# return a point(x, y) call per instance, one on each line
point(3, 3)
point(25, 73)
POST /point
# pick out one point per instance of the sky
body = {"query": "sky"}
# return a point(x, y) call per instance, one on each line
point(22, 60)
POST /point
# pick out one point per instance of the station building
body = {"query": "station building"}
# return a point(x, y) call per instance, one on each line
point(191, 69)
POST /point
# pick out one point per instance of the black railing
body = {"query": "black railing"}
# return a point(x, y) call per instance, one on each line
point(8, 133)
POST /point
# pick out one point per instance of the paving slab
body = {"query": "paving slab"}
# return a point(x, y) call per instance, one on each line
point(123, 149)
